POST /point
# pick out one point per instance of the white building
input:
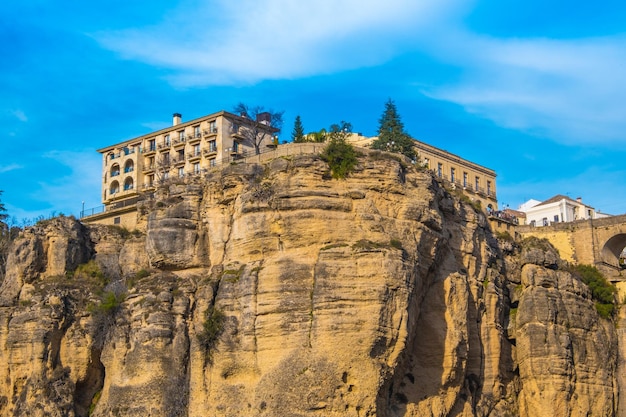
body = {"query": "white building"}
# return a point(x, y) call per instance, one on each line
point(558, 209)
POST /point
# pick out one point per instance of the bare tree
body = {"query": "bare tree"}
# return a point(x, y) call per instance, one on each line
point(260, 123)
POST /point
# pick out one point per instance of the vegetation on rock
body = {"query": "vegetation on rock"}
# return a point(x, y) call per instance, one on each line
point(339, 154)
point(212, 328)
point(602, 292)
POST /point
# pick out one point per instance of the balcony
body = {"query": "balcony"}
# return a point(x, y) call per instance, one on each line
point(150, 150)
point(194, 156)
point(194, 139)
point(148, 168)
point(163, 146)
point(179, 143)
point(211, 131)
point(211, 151)
point(148, 186)
point(236, 132)
point(179, 160)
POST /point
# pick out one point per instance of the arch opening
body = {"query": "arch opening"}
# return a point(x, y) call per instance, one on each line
point(115, 187)
point(613, 251)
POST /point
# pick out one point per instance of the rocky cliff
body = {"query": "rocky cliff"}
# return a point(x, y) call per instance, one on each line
point(273, 290)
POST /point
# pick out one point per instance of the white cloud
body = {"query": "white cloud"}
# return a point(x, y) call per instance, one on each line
point(10, 167)
point(246, 41)
point(19, 115)
point(569, 90)
point(66, 194)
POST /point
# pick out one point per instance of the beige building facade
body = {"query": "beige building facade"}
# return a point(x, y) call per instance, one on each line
point(184, 149)
point(476, 181)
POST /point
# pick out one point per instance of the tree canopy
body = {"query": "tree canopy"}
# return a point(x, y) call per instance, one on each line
point(391, 134)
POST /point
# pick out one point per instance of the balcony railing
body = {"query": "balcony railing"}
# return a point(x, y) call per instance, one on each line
point(115, 173)
point(210, 131)
point(179, 160)
point(128, 169)
point(194, 155)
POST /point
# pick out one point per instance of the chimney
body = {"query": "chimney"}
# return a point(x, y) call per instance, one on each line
point(177, 119)
point(264, 118)
point(579, 199)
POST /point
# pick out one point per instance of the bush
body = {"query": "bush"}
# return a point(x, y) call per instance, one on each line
point(341, 158)
point(602, 291)
point(212, 328)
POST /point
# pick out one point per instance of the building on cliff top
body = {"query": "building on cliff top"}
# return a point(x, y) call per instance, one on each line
point(558, 209)
point(135, 166)
point(475, 181)
point(182, 150)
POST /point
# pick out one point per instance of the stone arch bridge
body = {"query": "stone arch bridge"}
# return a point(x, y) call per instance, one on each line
point(596, 242)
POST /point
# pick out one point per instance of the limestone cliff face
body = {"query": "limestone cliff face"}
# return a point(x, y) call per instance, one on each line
point(380, 295)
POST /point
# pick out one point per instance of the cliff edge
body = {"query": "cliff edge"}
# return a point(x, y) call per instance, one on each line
point(273, 290)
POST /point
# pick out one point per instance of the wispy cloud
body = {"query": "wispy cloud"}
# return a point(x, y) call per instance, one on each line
point(10, 167)
point(19, 115)
point(569, 90)
point(247, 41)
point(66, 193)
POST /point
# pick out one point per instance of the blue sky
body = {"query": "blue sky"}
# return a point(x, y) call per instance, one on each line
point(532, 89)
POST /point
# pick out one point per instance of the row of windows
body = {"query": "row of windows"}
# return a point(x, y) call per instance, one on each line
point(465, 182)
point(181, 136)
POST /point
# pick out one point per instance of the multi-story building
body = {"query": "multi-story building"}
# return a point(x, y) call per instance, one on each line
point(138, 165)
point(183, 149)
point(558, 209)
point(476, 181)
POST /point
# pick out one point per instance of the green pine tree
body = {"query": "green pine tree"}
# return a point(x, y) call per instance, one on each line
point(297, 135)
point(391, 134)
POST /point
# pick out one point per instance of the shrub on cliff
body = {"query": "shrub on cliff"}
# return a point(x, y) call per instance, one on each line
point(341, 157)
point(212, 328)
point(602, 292)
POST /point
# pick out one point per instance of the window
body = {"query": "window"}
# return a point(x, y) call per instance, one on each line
point(477, 183)
point(181, 172)
point(427, 162)
point(129, 166)
point(488, 187)
point(150, 182)
point(533, 223)
point(545, 221)
point(212, 146)
point(212, 127)
point(439, 169)
point(196, 168)
point(181, 135)
point(166, 175)
point(181, 155)
point(212, 162)
point(117, 220)
point(166, 158)
point(235, 147)
point(196, 150)
point(115, 170)
point(452, 174)
point(196, 131)
point(167, 140)
point(465, 179)
point(152, 145)
point(115, 188)
point(128, 184)
point(556, 218)
point(235, 128)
